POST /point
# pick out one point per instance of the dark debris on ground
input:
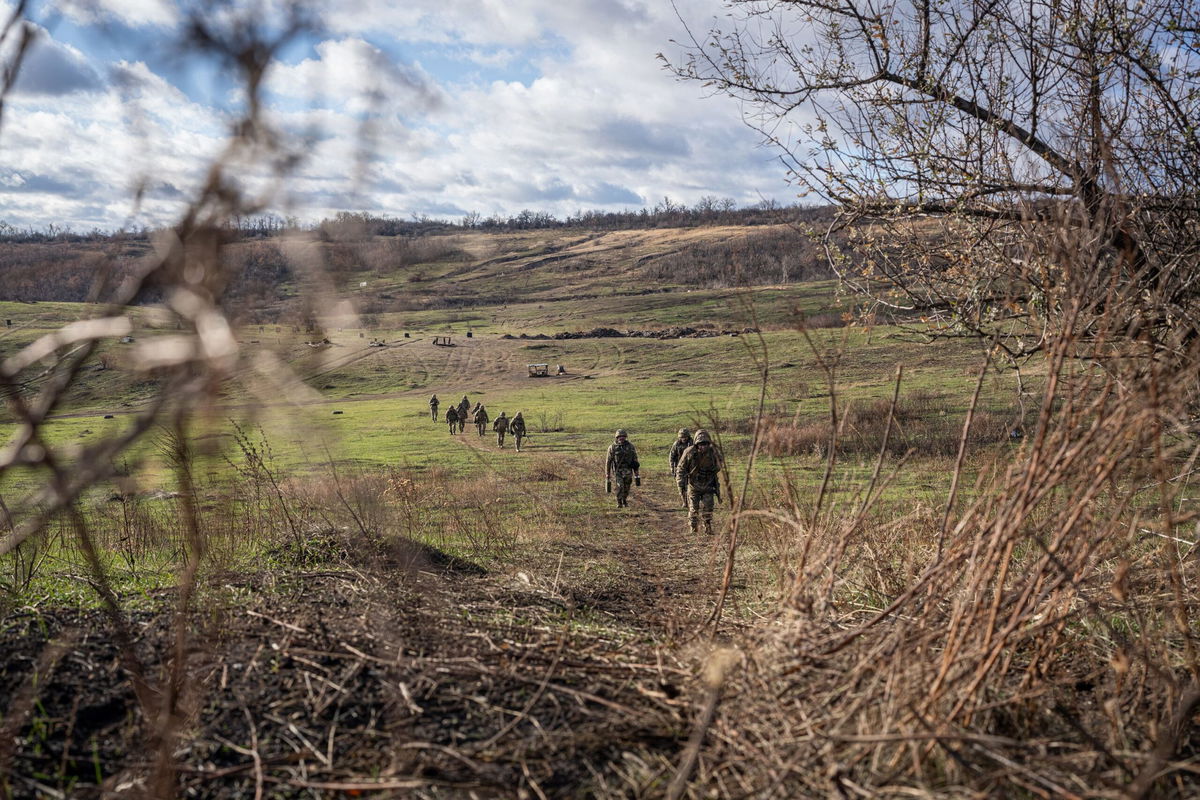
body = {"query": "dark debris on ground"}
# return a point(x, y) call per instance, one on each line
point(426, 681)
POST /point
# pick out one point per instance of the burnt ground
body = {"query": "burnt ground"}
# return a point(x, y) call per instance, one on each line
point(397, 672)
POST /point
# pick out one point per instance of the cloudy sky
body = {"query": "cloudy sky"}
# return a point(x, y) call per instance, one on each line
point(427, 107)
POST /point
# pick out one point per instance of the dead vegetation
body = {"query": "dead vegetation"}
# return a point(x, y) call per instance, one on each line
point(922, 425)
point(426, 685)
point(1034, 640)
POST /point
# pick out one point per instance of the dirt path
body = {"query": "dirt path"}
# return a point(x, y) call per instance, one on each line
point(659, 578)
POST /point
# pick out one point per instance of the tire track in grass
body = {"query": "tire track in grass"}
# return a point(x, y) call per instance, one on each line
point(353, 357)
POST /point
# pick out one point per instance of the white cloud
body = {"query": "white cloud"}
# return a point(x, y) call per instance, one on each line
point(604, 125)
point(497, 22)
point(134, 13)
point(49, 67)
point(528, 104)
point(354, 74)
point(77, 159)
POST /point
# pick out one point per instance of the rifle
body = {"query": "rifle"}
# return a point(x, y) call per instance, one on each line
point(608, 485)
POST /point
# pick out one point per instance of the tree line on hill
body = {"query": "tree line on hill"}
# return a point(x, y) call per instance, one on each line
point(666, 213)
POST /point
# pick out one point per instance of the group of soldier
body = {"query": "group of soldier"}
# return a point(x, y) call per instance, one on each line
point(696, 465)
point(458, 415)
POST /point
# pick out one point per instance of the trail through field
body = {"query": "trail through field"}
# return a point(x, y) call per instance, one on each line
point(640, 565)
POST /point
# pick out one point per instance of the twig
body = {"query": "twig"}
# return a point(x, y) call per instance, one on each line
point(280, 623)
point(1169, 738)
point(373, 786)
point(761, 360)
point(962, 452)
point(718, 665)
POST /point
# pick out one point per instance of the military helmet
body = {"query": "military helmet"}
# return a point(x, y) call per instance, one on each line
point(702, 436)
point(621, 432)
point(684, 433)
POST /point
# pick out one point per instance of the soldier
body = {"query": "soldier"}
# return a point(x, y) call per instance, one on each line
point(699, 476)
point(464, 407)
point(622, 465)
point(517, 429)
point(682, 443)
point(500, 426)
point(480, 419)
point(452, 419)
point(433, 407)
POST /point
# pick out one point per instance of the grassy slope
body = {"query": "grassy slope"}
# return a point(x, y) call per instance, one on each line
point(649, 386)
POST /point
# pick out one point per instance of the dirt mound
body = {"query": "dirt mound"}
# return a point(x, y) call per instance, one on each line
point(345, 680)
point(677, 332)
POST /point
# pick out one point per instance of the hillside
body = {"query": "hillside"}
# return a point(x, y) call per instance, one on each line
point(437, 270)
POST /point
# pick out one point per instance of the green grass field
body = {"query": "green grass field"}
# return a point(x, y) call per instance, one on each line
point(365, 408)
point(351, 410)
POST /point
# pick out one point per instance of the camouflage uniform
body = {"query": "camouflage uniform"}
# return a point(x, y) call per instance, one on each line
point(621, 465)
point(433, 407)
point(464, 407)
point(500, 426)
point(699, 476)
point(682, 443)
point(452, 419)
point(517, 429)
point(480, 419)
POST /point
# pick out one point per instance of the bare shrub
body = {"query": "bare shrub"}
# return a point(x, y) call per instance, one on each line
point(258, 271)
point(544, 470)
point(924, 424)
point(24, 564)
point(827, 319)
point(773, 256)
point(548, 421)
point(1046, 624)
point(475, 515)
point(135, 527)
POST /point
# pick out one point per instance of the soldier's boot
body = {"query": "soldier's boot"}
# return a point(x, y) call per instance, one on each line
point(708, 528)
point(693, 523)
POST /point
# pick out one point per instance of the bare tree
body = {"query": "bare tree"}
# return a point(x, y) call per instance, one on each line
point(1025, 172)
point(1056, 142)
